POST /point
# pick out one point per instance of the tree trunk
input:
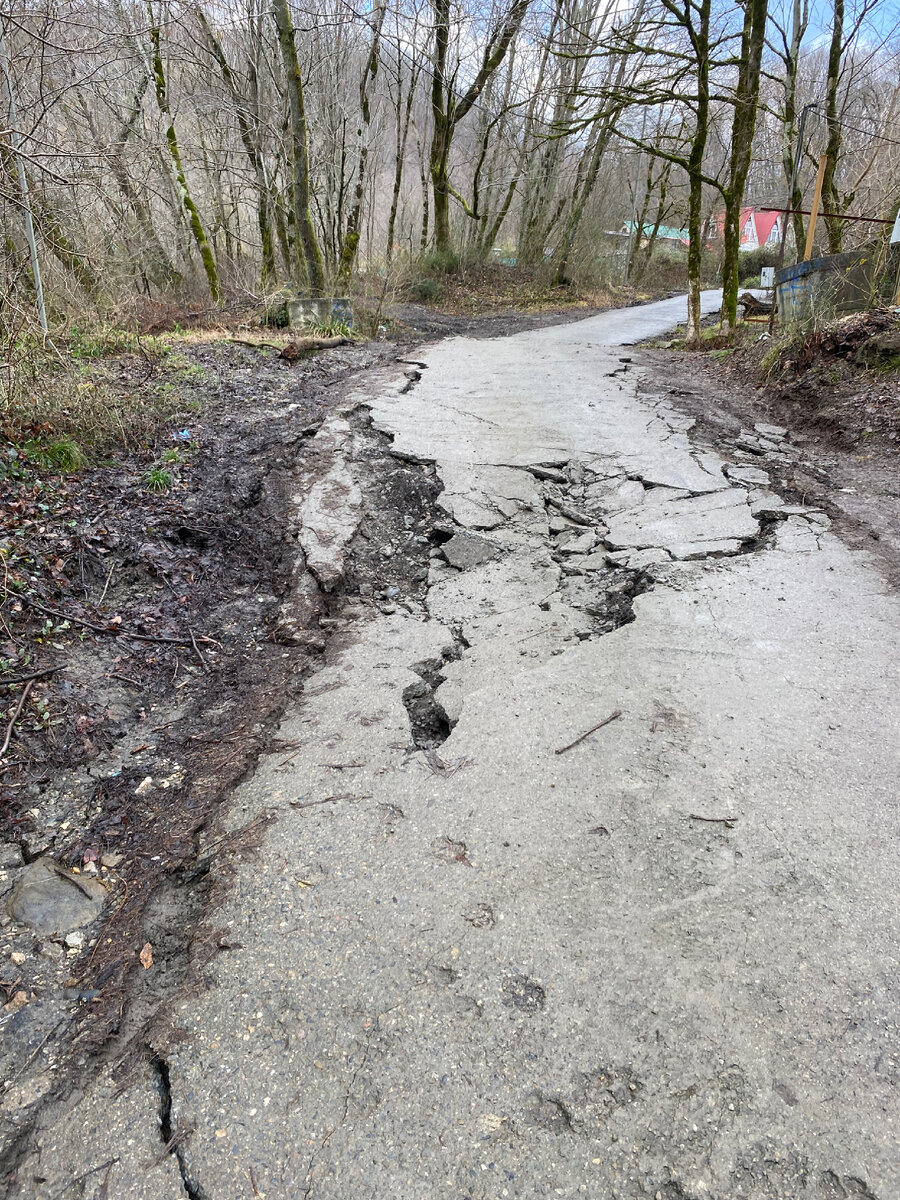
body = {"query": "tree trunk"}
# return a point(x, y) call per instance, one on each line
point(447, 110)
point(250, 140)
point(354, 221)
point(742, 130)
point(799, 21)
point(695, 170)
point(154, 258)
point(162, 100)
point(581, 198)
point(399, 153)
point(831, 202)
point(311, 265)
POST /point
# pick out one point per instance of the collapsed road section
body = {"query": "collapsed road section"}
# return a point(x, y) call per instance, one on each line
point(583, 875)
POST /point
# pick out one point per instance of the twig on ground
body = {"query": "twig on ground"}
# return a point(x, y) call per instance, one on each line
point(11, 726)
point(729, 821)
point(123, 633)
point(198, 651)
point(328, 800)
point(110, 1162)
point(33, 675)
point(112, 567)
point(614, 715)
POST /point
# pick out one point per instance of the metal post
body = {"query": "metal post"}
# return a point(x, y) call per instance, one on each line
point(23, 186)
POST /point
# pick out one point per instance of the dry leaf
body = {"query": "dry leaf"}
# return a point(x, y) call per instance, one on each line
point(146, 956)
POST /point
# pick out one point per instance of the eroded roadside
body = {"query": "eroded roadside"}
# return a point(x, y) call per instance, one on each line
point(115, 830)
point(466, 957)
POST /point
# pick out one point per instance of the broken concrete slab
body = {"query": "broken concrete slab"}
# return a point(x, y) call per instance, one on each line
point(552, 474)
point(796, 536)
point(638, 560)
point(720, 516)
point(661, 495)
point(597, 561)
point(764, 504)
point(330, 509)
point(626, 495)
point(465, 550)
point(748, 476)
point(580, 543)
point(697, 550)
point(49, 899)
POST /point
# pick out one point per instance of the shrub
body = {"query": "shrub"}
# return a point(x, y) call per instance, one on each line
point(428, 289)
point(439, 262)
point(751, 262)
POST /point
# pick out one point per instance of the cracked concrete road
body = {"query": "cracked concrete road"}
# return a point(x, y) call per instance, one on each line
point(660, 963)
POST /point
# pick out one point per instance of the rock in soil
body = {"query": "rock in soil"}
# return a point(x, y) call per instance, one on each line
point(49, 899)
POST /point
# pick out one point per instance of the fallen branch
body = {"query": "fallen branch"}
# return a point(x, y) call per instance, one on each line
point(11, 726)
point(125, 633)
point(33, 675)
point(613, 716)
point(306, 345)
point(256, 345)
point(197, 651)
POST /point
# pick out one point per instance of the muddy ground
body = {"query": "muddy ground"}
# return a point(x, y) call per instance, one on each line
point(178, 626)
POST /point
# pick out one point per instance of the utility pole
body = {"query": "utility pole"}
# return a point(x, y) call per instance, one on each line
point(814, 213)
point(23, 185)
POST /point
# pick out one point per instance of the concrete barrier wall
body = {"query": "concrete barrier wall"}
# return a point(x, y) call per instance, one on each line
point(827, 287)
point(319, 311)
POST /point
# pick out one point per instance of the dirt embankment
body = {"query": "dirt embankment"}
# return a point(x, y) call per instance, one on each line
point(838, 391)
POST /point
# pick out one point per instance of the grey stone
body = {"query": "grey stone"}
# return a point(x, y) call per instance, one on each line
point(747, 475)
point(51, 900)
point(466, 550)
point(10, 856)
point(770, 431)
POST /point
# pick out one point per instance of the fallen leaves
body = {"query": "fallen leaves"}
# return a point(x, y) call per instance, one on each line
point(146, 956)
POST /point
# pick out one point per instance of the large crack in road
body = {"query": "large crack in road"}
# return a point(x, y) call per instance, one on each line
point(483, 955)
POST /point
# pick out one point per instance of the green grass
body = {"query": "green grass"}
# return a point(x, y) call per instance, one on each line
point(101, 340)
point(158, 479)
point(62, 455)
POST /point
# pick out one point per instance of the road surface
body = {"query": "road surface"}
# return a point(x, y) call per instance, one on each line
point(659, 960)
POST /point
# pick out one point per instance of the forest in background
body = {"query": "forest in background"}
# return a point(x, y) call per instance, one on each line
point(209, 152)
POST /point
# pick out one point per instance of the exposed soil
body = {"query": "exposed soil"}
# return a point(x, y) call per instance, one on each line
point(170, 671)
point(841, 414)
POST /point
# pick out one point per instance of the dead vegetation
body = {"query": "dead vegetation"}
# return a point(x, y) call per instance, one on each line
point(841, 379)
